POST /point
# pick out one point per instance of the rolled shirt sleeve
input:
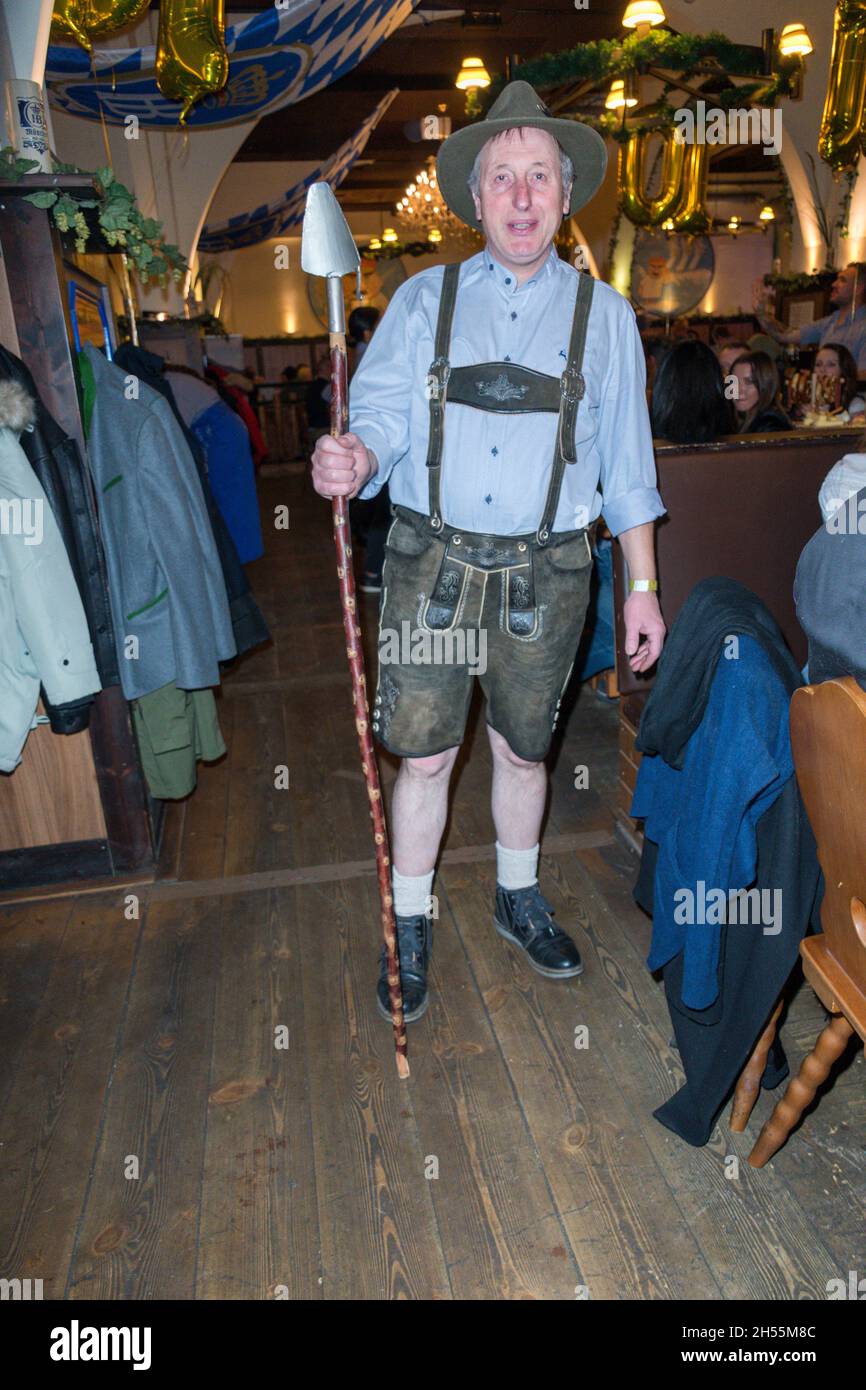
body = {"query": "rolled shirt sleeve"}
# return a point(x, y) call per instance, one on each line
point(628, 470)
point(380, 392)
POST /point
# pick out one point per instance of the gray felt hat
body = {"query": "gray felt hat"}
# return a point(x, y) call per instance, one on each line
point(518, 104)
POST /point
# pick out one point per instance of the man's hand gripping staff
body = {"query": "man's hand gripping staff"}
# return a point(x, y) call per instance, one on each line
point(342, 465)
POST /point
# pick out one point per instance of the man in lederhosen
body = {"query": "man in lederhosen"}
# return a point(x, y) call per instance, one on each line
point(503, 402)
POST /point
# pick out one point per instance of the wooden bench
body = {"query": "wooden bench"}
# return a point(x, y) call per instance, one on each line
point(743, 507)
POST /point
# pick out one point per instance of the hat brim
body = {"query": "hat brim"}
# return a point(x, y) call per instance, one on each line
point(583, 145)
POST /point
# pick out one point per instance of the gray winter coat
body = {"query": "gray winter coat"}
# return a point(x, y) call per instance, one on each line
point(168, 598)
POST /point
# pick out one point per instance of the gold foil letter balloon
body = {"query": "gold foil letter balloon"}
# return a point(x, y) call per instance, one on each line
point(85, 21)
point(191, 57)
point(690, 213)
point(633, 199)
point(840, 140)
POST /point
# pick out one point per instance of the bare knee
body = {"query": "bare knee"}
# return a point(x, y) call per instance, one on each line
point(503, 752)
point(438, 766)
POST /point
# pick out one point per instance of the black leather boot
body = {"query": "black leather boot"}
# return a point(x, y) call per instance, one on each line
point(414, 944)
point(525, 917)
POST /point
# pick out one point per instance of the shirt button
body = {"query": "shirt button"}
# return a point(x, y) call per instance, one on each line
point(507, 358)
point(514, 316)
point(488, 499)
point(494, 451)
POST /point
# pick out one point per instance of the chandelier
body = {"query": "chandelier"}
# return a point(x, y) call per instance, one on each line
point(423, 210)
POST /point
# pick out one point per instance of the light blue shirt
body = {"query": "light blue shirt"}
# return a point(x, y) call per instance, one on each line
point(496, 467)
point(835, 328)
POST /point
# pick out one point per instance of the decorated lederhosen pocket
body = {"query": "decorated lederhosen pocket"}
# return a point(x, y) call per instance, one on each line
point(542, 588)
point(443, 608)
point(510, 559)
point(520, 611)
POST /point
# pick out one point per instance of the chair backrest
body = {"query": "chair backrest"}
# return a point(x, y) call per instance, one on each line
point(828, 739)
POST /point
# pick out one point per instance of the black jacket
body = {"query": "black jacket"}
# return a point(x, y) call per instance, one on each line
point(771, 421)
point(57, 463)
point(248, 625)
point(715, 608)
point(715, 1043)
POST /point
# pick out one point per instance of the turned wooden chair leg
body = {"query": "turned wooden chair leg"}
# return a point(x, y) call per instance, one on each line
point(801, 1090)
point(749, 1083)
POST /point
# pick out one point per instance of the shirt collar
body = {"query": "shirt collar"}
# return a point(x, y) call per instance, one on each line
point(506, 280)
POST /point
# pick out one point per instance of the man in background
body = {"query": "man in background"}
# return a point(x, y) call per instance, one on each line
point(846, 324)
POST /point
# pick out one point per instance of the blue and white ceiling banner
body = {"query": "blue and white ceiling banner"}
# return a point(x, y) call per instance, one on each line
point(273, 219)
point(276, 58)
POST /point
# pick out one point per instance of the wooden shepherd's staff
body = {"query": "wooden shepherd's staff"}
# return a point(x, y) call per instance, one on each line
point(328, 249)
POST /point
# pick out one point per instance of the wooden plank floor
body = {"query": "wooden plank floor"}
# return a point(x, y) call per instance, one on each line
point(198, 1099)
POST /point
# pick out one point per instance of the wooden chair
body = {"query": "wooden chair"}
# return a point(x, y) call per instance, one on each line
point(606, 682)
point(828, 738)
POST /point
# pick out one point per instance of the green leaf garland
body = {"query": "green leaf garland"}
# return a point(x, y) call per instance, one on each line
point(120, 221)
point(690, 55)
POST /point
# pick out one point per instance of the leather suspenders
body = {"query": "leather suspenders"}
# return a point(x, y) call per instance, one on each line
point(437, 386)
point(507, 387)
point(573, 387)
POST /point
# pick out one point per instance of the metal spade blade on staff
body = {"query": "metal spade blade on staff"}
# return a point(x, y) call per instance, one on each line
point(328, 249)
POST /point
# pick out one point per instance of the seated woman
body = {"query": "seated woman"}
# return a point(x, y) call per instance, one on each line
point(757, 402)
point(834, 363)
point(689, 405)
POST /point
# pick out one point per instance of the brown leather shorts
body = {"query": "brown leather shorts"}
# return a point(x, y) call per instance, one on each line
point(457, 605)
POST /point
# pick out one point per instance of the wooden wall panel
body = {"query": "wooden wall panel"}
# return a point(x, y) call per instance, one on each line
point(53, 795)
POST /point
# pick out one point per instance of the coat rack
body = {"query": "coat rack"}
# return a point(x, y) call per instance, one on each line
point(77, 807)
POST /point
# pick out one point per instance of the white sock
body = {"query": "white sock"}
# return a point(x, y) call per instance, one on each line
point(516, 868)
point(411, 895)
